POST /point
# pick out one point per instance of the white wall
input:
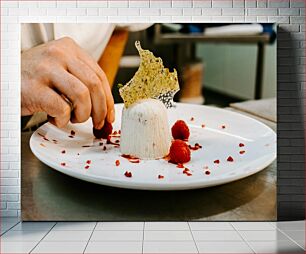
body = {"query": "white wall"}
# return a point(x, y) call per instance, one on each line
point(289, 14)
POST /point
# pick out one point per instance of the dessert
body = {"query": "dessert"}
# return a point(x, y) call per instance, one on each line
point(145, 132)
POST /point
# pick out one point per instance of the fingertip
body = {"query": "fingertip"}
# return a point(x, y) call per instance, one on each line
point(111, 116)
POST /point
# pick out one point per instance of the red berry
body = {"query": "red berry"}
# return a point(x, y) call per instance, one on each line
point(180, 130)
point(179, 152)
point(104, 132)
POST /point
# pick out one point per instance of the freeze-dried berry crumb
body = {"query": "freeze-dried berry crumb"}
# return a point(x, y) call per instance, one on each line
point(63, 151)
point(223, 126)
point(207, 172)
point(88, 161)
point(87, 167)
point(72, 132)
point(186, 171)
point(161, 177)
point(117, 162)
point(63, 164)
point(241, 145)
point(216, 161)
point(230, 159)
point(203, 125)
point(241, 152)
point(192, 119)
point(128, 174)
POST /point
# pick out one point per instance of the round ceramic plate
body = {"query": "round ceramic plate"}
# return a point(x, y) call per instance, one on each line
point(233, 147)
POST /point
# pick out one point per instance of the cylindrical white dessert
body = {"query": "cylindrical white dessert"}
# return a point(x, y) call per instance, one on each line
point(145, 130)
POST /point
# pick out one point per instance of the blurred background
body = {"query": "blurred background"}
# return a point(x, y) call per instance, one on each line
point(217, 64)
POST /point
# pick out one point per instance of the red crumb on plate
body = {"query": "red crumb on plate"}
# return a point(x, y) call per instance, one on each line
point(180, 130)
point(128, 174)
point(88, 161)
point(203, 125)
point(223, 126)
point(186, 171)
point(179, 152)
point(72, 132)
point(192, 118)
point(242, 152)
point(180, 165)
point(131, 158)
point(63, 164)
point(117, 162)
point(207, 172)
point(195, 147)
point(230, 159)
point(241, 145)
point(216, 161)
point(63, 151)
point(87, 167)
point(161, 177)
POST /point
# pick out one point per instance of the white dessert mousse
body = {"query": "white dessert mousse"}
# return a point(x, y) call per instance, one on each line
point(145, 132)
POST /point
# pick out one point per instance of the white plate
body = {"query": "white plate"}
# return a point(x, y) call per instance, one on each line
point(217, 144)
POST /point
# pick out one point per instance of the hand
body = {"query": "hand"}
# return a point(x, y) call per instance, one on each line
point(59, 70)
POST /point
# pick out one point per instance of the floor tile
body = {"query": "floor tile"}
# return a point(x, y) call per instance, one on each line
point(101, 236)
point(297, 235)
point(60, 247)
point(9, 220)
point(120, 226)
point(253, 226)
point(63, 226)
point(33, 226)
point(169, 247)
point(291, 225)
point(5, 226)
point(276, 247)
point(222, 226)
point(224, 247)
point(114, 247)
point(258, 235)
point(167, 236)
point(69, 236)
point(166, 226)
point(17, 247)
point(23, 236)
point(216, 236)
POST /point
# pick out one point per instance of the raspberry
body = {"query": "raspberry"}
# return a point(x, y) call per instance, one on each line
point(180, 130)
point(179, 152)
point(104, 132)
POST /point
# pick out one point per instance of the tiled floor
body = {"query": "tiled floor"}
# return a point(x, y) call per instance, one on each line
point(152, 237)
